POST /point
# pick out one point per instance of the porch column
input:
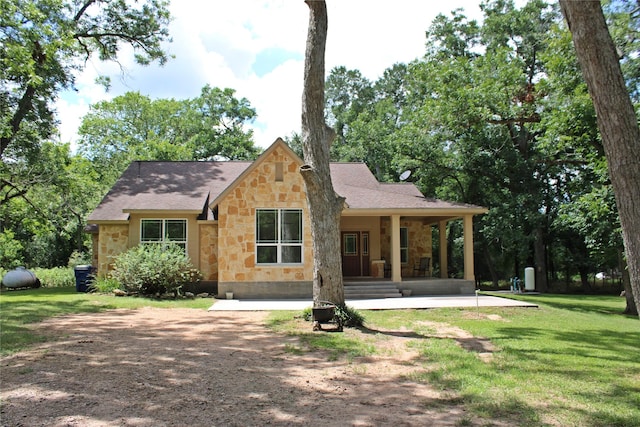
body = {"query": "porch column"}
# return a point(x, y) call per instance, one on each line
point(468, 248)
point(396, 267)
point(444, 261)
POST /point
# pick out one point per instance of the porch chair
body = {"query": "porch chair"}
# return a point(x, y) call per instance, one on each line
point(422, 268)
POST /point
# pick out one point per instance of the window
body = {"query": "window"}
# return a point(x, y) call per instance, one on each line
point(350, 244)
point(279, 236)
point(164, 230)
point(404, 245)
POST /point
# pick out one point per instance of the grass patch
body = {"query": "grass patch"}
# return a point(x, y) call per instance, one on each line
point(336, 345)
point(575, 360)
point(18, 309)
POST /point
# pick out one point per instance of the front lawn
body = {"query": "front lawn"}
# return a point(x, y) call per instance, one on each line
point(575, 361)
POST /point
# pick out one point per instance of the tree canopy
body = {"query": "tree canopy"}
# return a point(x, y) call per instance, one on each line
point(497, 114)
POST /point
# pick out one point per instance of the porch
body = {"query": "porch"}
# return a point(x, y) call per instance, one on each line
point(371, 288)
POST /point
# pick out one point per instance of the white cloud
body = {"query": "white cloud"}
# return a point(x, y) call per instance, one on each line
point(218, 42)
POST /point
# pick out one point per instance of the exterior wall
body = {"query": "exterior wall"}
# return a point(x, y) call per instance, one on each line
point(209, 251)
point(237, 226)
point(95, 249)
point(112, 240)
point(420, 242)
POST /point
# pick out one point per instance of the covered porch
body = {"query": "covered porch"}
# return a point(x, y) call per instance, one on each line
point(395, 249)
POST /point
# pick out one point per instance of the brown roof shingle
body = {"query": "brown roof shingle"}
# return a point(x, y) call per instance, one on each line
point(189, 186)
point(180, 186)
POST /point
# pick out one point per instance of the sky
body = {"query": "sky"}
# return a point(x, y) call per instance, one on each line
point(256, 47)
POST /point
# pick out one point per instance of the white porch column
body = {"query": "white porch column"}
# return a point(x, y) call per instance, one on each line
point(444, 261)
point(469, 274)
point(396, 267)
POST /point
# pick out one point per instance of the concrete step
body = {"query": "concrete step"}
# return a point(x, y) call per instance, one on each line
point(371, 296)
point(370, 288)
point(371, 291)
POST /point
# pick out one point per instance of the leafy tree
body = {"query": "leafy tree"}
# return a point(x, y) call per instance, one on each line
point(44, 42)
point(498, 115)
point(43, 45)
point(134, 127)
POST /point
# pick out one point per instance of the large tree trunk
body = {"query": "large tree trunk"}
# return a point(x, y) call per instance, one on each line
point(617, 120)
point(631, 307)
point(325, 206)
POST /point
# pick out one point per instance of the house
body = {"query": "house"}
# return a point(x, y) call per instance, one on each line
point(245, 225)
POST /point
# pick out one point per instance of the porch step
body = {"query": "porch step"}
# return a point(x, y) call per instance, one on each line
point(371, 291)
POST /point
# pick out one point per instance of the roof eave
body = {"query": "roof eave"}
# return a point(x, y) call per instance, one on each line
point(441, 212)
point(164, 211)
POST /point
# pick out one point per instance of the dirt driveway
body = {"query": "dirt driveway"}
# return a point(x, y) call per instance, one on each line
point(180, 367)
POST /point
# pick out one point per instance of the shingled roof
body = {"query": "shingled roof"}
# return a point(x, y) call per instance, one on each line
point(188, 187)
point(356, 183)
point(184, 187)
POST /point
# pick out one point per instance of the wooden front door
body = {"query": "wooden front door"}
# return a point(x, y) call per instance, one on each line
point(355, 253)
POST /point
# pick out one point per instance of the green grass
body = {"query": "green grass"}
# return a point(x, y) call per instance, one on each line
point(19, 309)
point(575, 361)
point(335, 344)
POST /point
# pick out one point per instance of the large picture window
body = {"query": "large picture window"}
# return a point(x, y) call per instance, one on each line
point(163, 231)
point(279, 236)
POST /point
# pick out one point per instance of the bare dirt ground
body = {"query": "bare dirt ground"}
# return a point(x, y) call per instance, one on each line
point(159, 367)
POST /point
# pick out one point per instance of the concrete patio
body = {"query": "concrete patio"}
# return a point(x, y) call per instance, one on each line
point(417, 302)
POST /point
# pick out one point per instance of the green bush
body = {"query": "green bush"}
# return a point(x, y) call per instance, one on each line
point(106, 284)
point(151, 269)
point(350, 316)
point(58, 277)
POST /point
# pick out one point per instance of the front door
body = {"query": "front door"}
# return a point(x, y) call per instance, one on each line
point(355, 253)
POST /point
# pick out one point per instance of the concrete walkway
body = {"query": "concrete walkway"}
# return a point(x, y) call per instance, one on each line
point(416, 302)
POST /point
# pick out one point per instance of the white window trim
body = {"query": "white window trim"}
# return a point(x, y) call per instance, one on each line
point(163, 231)
point(279, 244)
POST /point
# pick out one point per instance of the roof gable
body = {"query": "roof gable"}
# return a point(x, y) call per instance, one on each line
point(278, 144)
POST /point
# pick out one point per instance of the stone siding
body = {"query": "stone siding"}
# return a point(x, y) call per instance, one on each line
point(420, 242)
point(209, 251)
point(112, 240)
point(260, 188)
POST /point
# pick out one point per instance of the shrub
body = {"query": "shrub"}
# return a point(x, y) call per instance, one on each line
point(57, 277)
point(350, 316)
point(105, 284)
point(153, 269)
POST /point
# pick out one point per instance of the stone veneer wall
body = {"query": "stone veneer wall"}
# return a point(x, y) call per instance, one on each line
point(420, 242)
point(112, 240)
point(237, 225)
point(209, 251)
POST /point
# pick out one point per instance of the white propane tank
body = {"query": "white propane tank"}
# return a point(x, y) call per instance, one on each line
point(529, 279)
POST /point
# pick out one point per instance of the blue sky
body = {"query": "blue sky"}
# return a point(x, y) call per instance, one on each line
point(257, 48)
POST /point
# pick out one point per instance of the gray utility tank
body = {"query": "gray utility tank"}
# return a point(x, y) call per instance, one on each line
point(20, 278)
